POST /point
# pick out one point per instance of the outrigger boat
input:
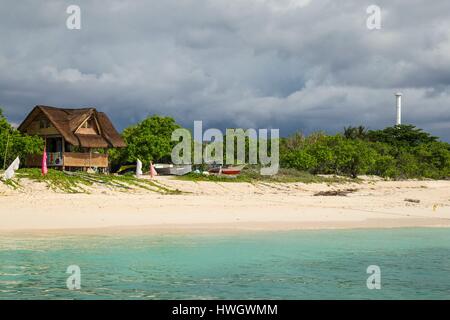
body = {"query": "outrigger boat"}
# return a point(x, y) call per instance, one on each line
point(163, 168)
point(171, 169)
point(180, 170)
point(227, 170)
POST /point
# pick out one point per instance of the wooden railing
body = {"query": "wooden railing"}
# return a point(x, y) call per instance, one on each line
point(33, 160)
point(75, 159)
point(70, 159)
point(54, 159)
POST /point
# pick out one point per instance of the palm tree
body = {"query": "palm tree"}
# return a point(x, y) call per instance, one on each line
point(354, 133)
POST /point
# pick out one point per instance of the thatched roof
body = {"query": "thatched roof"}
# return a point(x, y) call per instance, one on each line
point(67, 121)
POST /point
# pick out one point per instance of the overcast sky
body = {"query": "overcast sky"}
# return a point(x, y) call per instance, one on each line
point(291, 64)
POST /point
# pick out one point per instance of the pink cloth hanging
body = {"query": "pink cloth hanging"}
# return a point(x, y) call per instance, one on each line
point(44, 163)
point(152, 170)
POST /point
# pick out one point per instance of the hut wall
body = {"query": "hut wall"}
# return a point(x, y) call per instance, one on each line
point(35, 129)
point(73, 159)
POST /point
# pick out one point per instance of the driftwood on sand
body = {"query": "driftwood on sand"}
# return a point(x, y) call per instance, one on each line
point(334, 193)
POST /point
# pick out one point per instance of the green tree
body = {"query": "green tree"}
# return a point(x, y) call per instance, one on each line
point(355, 132)
point(14, 144)
point(401, 135)
point(352, 157)
point(149, 140)
point(319, 148)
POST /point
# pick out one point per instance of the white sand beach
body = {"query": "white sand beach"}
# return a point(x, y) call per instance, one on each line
point(215, 207)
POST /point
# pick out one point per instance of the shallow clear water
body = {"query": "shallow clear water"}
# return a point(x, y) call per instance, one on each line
point(415, 264)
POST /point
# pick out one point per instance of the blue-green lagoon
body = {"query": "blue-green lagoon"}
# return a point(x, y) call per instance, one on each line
point(414, 264)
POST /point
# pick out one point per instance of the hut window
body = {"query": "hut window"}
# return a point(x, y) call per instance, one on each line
point(44, 123)
point(89, 124)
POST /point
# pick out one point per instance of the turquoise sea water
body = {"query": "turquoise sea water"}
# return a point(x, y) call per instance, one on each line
point(415, 264)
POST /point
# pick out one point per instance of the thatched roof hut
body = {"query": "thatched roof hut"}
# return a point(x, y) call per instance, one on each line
point(72, 134)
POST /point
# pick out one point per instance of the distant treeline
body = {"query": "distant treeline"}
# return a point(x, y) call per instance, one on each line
point(397, 152)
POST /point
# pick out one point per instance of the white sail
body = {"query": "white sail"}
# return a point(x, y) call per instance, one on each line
point(9, 173)
point(139, 168)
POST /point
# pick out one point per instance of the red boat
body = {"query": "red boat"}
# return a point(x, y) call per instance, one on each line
point(229, 170)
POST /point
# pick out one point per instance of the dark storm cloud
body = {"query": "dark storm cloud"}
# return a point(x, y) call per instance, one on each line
point(289, 64)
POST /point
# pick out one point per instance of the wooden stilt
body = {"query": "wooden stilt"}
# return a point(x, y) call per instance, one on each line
point(63, 151)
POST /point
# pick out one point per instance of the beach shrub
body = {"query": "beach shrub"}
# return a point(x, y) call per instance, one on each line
point(321, 150)
point(352, 157)
point(14, 144)
point(384, 166)
point(300, 160)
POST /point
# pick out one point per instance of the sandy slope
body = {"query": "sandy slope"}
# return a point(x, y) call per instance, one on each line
point(209, 206)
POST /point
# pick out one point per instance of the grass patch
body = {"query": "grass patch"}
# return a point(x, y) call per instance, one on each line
point(214, 178)
point(252, 175)
point(13, 184)
point(56, 180)
point(126, 182)
point(76, 182)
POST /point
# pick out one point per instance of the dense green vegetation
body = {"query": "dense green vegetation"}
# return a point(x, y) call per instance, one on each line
point(14, 144)
point(396, 152)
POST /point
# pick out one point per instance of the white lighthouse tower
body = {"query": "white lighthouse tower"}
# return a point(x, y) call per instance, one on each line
point(398, 95)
